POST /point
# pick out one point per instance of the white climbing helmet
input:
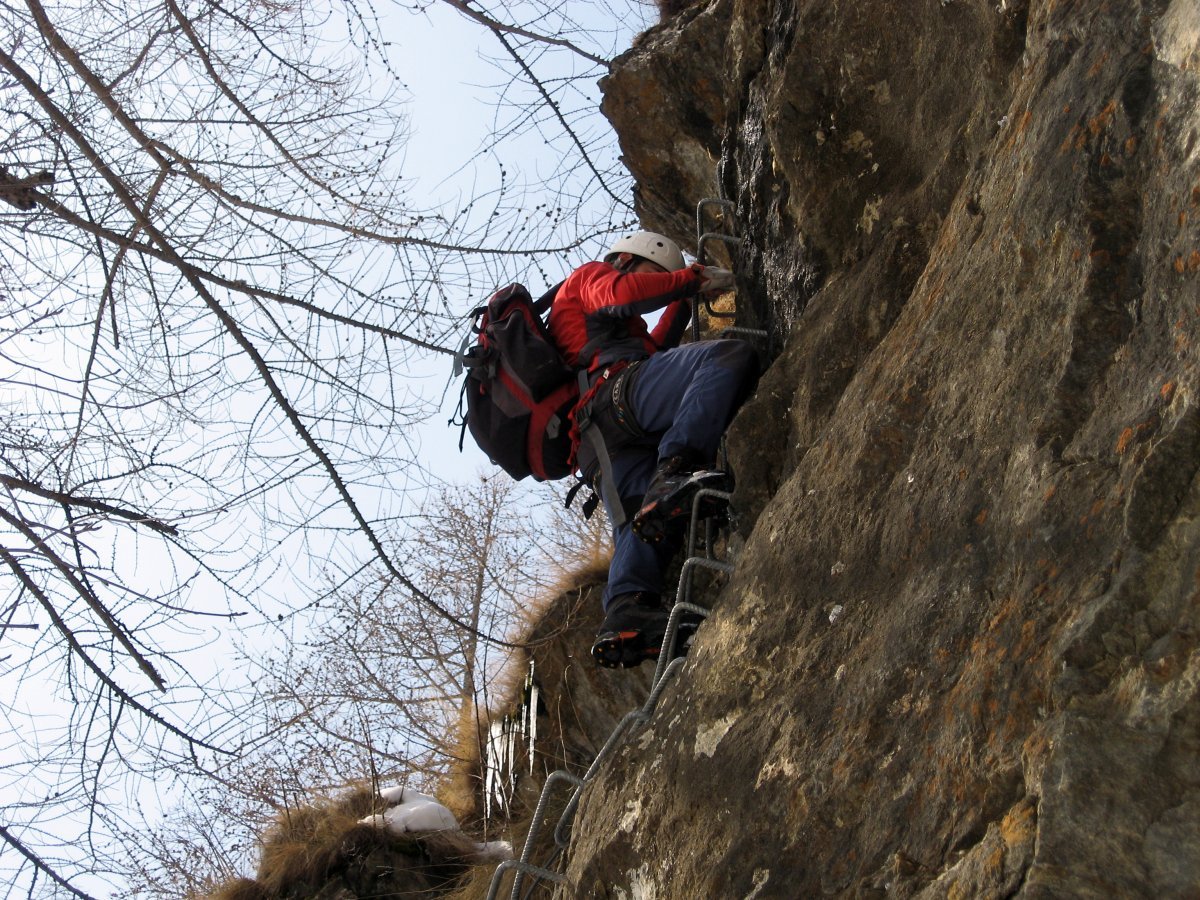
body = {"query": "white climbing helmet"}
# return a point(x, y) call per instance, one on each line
point(658, 248)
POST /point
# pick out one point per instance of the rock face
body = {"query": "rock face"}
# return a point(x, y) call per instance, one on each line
point(959, 655)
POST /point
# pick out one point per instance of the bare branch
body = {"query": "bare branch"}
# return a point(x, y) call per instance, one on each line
point(30, 585)
point(41, 865)
point(562, 120)
point(87, 595)
point(484, 19)
point(21, 484)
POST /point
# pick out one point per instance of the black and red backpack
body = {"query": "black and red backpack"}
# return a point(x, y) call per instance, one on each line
point(519, 391)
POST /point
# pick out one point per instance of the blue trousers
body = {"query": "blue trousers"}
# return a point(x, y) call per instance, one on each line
point(684, 399)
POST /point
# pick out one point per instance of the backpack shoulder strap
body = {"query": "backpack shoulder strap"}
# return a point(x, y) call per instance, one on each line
point(545, 301)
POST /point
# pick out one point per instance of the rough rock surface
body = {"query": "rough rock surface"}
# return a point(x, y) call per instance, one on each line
point(959, 656)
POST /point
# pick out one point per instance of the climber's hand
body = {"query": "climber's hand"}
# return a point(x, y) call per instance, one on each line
point(714, 280)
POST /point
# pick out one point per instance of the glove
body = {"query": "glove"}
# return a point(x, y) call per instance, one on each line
point(714, 280)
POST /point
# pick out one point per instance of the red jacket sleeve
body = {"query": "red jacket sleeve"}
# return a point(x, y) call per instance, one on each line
point(598, 301)
point(671, 326)
point(606, 291)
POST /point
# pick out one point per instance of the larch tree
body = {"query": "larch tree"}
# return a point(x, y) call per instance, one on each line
point(226, 313)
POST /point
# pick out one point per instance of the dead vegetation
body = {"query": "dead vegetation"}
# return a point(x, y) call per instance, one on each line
point(307, 849)
point(669, 8)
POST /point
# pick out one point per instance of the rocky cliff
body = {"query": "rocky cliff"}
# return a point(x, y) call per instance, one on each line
point(958, 656)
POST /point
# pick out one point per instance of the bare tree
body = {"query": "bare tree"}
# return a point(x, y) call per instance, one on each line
point(377, 692)
point(223, 304)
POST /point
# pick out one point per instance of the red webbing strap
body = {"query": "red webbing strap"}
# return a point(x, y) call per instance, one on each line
point(539, 422)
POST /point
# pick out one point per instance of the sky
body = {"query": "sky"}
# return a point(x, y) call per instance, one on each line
point(444, 61)
point(450, 66)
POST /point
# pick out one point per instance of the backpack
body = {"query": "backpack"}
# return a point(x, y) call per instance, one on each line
point(519, 391)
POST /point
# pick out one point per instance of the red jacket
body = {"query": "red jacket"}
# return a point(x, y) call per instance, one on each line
point(597, 301)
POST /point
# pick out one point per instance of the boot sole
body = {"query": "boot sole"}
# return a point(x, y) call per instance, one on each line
point(628, 650)
point(622, 650)
point(654, 523)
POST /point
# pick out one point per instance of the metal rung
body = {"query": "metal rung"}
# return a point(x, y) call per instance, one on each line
point(697, 562)
point(668, 647)
point(718, 237)
point(726, 205)
point(701, 494)
point(716, 314)
point(663, 674)
point(568, 814)
point(702, 238)
point(539, 814)
point(522, 868)
point(750, 332)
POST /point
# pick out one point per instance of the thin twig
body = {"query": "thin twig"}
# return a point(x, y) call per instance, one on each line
point(87, 595)
point(26, 579)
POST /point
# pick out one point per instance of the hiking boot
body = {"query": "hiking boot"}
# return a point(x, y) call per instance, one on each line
point(633, 631)
point(667, 507)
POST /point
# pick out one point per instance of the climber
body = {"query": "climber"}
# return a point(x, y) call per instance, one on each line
point(661, 409)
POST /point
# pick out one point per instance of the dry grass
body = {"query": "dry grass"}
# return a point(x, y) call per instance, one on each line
point(542, 625)
point(711, 326)
point(591, 569)
point(305, 844)
point(668, 8)
point(240, 889)
point(474, 885)
point(461, 789)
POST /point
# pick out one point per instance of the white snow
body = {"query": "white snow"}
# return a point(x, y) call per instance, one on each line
point(417, 812)
point(414, 811)
point(493, 851)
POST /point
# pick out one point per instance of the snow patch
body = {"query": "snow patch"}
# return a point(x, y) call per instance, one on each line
point(493, 851)
point(708, 737)
point(413, 811)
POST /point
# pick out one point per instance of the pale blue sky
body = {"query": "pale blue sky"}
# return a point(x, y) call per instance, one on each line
point(452, 111)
